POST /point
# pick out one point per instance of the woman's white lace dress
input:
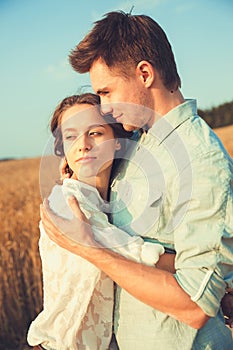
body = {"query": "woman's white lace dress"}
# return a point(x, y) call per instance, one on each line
point(78, 298)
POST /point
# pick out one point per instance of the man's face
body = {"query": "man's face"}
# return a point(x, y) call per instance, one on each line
point(125, 97)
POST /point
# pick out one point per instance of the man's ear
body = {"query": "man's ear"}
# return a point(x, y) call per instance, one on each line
point(117, 145)
point(146, 73)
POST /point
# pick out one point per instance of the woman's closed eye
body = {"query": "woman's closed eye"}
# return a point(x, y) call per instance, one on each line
point(70, 137)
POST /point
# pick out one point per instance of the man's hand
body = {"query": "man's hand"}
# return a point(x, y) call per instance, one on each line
point(74, 235)
point(227, 308)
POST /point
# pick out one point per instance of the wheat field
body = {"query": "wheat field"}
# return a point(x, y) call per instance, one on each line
point(226, 135)
point(20, 268)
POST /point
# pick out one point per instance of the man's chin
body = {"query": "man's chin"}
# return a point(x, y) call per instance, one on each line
point(128, 127)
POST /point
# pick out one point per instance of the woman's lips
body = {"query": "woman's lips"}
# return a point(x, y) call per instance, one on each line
point(85, 159)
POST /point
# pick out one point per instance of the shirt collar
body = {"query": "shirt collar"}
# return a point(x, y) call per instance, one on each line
point(172, 120)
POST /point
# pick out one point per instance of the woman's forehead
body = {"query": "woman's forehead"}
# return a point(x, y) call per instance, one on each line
point(82, 115)
point(83, 118)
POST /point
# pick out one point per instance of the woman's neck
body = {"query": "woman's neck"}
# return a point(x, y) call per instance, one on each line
point(100, 182)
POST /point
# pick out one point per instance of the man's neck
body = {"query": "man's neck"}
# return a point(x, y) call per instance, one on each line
point(165, 101)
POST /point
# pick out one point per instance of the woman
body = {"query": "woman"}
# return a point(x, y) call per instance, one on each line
point(78, 297)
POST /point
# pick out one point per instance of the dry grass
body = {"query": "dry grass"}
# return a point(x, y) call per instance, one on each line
point(226, 135)
point(20, 269)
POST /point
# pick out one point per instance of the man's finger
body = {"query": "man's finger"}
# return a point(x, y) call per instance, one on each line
point(46, 220)
point(78, 229)
point(74, 205)
point(43, 213)
point(229, 322)
point(51, 219)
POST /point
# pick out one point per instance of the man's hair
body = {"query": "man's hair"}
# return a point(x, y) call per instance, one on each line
point(123, 40)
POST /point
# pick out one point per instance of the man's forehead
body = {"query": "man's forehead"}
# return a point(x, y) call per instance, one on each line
point(101, 75)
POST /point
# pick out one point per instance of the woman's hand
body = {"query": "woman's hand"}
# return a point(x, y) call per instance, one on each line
point(73, 235)
point(65, 171)
point(227, 308)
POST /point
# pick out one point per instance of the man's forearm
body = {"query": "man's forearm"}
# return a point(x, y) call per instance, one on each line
point(153, 286)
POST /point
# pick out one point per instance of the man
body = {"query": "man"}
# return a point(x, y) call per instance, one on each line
point(176, 190)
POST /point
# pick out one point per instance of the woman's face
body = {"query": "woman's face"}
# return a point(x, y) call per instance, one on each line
point(89, 142)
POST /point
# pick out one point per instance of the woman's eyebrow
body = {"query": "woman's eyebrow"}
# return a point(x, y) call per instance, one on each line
point(89, 127)
point(69, 129)
point(96, 125)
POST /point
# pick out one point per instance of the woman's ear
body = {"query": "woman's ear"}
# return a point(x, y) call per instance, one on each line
point(146, 73)
point(117, 145)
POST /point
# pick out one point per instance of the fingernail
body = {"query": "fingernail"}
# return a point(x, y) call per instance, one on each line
point(71, 198)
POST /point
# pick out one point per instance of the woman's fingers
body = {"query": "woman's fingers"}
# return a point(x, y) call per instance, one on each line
point(227, 308)
point(63, 169)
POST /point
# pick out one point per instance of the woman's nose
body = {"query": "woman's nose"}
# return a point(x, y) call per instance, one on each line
point(83, 143)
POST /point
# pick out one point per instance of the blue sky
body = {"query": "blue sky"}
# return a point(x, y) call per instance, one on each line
point(36, 37)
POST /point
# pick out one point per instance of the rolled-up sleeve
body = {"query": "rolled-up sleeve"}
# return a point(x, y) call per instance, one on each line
point(203, 232)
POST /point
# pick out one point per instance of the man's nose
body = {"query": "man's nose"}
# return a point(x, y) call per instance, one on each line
point(106, 108)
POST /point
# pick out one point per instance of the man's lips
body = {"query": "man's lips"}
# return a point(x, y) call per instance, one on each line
point(85, 159)
point(118, 116)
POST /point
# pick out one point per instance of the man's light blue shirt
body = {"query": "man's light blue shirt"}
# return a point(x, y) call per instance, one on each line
point(177, 189)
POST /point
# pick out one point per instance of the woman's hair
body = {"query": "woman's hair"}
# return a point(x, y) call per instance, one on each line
point(123, 40)
point(90, 99)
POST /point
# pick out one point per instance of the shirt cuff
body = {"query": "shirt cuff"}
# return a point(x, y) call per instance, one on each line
point(205, 287)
